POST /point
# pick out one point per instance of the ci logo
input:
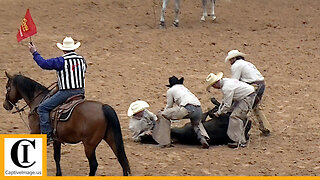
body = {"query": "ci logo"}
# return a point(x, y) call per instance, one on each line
point(24, 154)
point(27, 145)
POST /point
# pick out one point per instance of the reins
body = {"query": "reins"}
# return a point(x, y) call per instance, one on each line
point(53, 85)
point(20, 110)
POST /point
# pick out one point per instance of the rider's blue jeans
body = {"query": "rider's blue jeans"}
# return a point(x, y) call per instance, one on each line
point(49, 104)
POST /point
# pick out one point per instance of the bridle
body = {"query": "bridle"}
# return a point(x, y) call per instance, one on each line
point(11, 103)
point(53, 85)
point(20, 110)
point(17, 108)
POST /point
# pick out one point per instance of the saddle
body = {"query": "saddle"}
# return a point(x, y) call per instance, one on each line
point(63, 112)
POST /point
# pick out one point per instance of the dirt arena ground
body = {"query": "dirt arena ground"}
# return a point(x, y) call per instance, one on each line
point(130, 58)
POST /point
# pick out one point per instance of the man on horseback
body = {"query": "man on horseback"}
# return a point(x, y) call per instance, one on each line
point(70, 68)
point(238, 98)
point(245, 71)
point(188, 106)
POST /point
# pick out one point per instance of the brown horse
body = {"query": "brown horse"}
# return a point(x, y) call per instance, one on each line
point(89, 123)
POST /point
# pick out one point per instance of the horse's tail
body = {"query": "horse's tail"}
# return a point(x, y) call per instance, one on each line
point(113, 136)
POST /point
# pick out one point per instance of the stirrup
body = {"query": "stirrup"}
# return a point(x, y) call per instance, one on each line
point(49, 140)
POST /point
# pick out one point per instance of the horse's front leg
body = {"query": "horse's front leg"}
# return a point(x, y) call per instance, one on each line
point(204, 12)
point(177, 12)
point(213, 2)
point(34, 123)
point(163, 12)
point(57, 156)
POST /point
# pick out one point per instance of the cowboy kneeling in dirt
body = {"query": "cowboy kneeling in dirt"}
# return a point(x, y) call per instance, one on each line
point(147, 127)
point(142, 121)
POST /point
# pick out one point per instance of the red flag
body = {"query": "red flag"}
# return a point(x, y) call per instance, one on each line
point(27, 28)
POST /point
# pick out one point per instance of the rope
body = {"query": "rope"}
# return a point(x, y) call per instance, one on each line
point(20, 113)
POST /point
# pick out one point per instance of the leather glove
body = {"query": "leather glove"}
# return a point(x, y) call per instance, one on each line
point(255, 86)
point(32, 48)
point(216, 114)
point(148, 132)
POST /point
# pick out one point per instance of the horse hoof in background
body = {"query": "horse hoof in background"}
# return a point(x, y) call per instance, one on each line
point(162, 25)
point(205, 14)
point(177, 11)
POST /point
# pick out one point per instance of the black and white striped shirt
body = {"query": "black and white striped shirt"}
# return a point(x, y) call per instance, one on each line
point(72, 75)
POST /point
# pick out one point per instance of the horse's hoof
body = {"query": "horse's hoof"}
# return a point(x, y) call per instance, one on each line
point(214, 17)
point(162, 24)
point(203, 19)
point(176, 24)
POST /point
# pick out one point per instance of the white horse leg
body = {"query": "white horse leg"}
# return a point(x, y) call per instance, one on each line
point(163, 12)
point(177, 11)
point(204, 7)
point(213, 2)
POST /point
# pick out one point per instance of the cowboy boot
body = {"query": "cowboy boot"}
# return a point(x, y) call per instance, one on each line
point(264, 125)
point(202, 138)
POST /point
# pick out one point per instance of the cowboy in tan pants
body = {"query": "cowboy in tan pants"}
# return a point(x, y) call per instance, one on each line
point(246, 72)
point(238, 98)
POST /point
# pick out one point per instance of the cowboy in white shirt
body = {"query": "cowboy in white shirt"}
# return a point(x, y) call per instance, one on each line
point(238, 98)
point(246, 72)
point(142, 121)
point(188, 106)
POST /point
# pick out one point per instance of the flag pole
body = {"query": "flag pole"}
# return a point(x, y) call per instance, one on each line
point(30, 40)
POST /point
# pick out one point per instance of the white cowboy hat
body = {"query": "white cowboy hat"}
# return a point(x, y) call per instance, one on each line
point(68, 44)
point(136, 107)
point(212, 78)
point(232, 54)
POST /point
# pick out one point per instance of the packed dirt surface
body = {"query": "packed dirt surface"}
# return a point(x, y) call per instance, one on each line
point(129, 57)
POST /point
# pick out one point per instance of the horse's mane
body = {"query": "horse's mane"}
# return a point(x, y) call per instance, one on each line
point(28, 86)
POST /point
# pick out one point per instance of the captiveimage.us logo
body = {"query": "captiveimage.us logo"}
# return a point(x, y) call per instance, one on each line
point(24, 155)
